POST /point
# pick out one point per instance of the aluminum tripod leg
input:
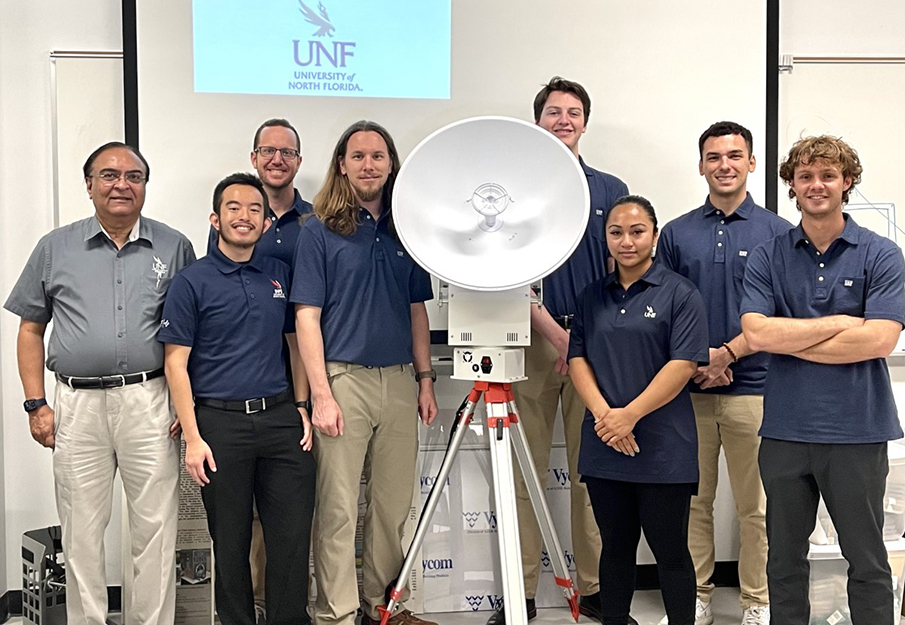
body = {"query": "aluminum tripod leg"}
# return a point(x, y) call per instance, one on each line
point(498, 428)
point(460, 428)
point(542, 510)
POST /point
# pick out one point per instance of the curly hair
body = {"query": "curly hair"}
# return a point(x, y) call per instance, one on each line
point(825, 148)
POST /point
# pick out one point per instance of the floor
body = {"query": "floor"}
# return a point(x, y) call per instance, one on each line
point(647, 609)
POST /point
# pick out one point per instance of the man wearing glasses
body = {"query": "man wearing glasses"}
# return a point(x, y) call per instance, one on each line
point(103, 281)
point(276, 156)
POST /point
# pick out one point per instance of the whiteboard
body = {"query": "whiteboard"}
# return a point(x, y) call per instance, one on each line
point(862, 103)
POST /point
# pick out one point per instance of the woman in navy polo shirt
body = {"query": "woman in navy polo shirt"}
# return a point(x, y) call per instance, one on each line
point(637, 338)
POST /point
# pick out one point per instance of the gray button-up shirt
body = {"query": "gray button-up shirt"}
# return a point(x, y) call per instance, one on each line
point(105, 303)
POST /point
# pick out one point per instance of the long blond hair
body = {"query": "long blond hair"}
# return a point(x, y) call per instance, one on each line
point(335, 203)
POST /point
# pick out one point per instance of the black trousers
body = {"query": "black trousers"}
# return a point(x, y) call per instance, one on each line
point(622, 510)
point(852, 480)
point(259, 458)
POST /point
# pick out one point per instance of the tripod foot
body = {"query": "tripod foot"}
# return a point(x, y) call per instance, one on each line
point(573, 606)
point(384, 614)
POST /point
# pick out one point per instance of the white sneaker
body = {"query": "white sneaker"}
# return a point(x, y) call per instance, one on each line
point(756, 615)
point(703, 614)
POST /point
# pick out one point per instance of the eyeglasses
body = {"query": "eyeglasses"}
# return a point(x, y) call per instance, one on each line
point(288, 154)
point(110, 177)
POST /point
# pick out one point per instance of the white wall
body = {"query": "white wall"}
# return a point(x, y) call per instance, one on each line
point(621, 117)
point(28, 32)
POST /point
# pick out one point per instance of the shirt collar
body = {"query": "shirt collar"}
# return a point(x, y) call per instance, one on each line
point(227, 266)
point(850, 232)
point(587, 170)
point(743, 211)
point(297, 204)
point(139, 230)
point(653, 276)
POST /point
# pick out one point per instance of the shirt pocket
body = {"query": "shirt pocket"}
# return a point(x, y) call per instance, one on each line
point(848, 296)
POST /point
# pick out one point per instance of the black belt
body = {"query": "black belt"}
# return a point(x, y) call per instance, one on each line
point(248, 406)
point(108, 381)
point(564, 322)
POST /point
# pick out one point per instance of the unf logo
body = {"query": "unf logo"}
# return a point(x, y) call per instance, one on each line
point(474, 601)
point(317, 51)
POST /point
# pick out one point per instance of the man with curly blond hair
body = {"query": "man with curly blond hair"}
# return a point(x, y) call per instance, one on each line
point(827, 301)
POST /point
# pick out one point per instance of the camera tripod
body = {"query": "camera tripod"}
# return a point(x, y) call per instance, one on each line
point(503, 422)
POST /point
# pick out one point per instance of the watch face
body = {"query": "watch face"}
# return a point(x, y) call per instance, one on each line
point(33, 404)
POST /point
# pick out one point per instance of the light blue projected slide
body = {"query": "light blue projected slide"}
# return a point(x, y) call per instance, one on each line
point(348, 48)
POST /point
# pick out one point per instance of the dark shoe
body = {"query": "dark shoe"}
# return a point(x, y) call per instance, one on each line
point(402, 617)
point(589, 605)
point(499, 616)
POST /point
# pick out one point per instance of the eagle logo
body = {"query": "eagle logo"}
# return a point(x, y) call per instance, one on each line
point(322, 21)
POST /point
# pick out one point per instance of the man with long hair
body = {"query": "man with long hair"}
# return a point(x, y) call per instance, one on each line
point(361, 323)
point(827, 300)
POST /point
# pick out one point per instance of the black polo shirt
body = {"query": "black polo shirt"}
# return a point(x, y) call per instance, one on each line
point(628, 337)
point(233, 316)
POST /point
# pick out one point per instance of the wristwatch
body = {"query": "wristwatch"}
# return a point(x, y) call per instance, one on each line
point(31, 405)
point(304, 404)
point(426, 374)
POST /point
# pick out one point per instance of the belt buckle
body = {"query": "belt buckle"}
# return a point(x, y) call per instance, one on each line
point(251, 405)
point(118, 378)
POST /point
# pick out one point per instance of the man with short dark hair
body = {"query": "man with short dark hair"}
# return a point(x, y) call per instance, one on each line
point(826, 299)
point(562, 107)
point(277, 156)
point(361, 324)
point(102, 281)
point(710, 247)
point(223, 314)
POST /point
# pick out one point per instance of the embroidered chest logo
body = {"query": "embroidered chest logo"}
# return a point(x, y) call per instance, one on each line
point(743, 253)
point(164, 323)
point(400, 253)
point(650, 313)
point(599, 211)
point(160, 270)
point(848, 282)
point(278, 290)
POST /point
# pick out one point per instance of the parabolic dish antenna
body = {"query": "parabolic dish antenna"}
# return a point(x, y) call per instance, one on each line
point(491, 203)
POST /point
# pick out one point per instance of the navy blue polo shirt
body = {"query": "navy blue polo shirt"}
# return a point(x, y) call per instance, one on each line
point(279, 240)
point(588, 262)
point(365, 284)
point(233, 316)
point(627, 337)
point(860, 274)
point(711, 249)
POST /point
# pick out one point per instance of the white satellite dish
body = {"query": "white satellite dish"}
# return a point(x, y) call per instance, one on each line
point(491, 203)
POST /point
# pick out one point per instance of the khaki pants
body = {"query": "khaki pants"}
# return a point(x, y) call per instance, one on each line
point(98, 432)
point(537, 399)
point(380, 436)
point(733, 422)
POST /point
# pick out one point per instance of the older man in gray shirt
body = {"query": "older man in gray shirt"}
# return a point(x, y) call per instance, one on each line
point(103, 281)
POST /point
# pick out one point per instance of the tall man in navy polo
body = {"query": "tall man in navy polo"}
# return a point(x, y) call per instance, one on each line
point(221, 326)
point(103, 280)
point(826, 299)
point(562, 107)
point(277, 156)
point(710, 247)
point(361, 324)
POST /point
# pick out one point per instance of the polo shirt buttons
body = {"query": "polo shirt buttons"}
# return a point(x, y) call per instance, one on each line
point(378, 238)
point(252, 296)
point(821, 265)
point(819, 278)
point(722, 221)
point(279, 241)
point(622, 311)
point(248, 282)
point(720, 232)
point(720, 244)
